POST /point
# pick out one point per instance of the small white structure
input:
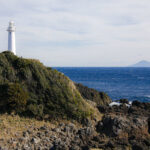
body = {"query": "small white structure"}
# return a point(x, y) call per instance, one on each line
point(114, 103)
point(11, 37)
point(118, 104)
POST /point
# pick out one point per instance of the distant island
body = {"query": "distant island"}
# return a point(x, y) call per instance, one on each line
point(142, 63)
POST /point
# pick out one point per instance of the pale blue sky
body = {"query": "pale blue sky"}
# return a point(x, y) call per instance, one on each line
point(79, 32)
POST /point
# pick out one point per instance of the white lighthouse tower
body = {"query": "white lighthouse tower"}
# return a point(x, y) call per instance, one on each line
point(11, 37)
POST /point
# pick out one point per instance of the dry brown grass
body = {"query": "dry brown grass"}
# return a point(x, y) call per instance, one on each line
point(13, 125)
point(96, 112)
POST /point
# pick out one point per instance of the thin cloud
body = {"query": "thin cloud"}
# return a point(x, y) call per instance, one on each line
point(79, 33)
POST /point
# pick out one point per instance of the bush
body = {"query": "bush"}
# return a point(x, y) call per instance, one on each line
point(35, 110)
point(13, 97)
point(100, 98)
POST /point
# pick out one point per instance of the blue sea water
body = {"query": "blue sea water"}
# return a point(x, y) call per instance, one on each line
point(130, 83)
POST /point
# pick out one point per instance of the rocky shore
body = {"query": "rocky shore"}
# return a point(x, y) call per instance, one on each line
point(121, 128)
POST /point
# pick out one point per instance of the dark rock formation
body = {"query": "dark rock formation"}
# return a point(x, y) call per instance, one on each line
point(115, 125)
point(126, 126)
point(124, 101)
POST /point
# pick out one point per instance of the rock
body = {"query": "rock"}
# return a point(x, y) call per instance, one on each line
point(75, 148)
point(61, 125)
point(149, 125)
point(60, 145)
point(111, 144)
point(43, 128)
point(85, 147)
point(103, 109)
point(26, 147)
point(147, 142)
point(53, 137)
point(89, 131)
point(35, 140)
point(40, 134)
point(136, 103)
point(57, 141)
point(58, 130)
point(22, 139)
point(29, 131)
point(124, 101)
point(70, 128)
point(50, 146)
point(137, 147)
point(25, 134)
point(86, 132)
point(87, 122)
point(116, 125)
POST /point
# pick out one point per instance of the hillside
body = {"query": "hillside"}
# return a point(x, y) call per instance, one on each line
point(142, 63)
point(100, 98)
point(29, 88)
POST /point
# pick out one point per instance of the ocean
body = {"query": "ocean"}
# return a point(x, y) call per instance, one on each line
point(118, 83)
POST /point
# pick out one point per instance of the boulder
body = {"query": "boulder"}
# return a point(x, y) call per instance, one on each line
point(113, 125)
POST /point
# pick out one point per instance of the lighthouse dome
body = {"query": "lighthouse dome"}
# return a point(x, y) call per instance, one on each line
point(11, 27)
point(11, 23)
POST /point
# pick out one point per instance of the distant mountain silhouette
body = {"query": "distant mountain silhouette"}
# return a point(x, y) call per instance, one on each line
point(142, 63)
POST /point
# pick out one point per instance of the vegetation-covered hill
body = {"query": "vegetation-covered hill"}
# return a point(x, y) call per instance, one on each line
point(29, 88)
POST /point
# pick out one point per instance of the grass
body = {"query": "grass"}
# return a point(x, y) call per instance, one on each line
point(13, 125)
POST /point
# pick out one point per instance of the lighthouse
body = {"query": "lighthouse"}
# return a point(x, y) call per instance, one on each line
point(11, 37)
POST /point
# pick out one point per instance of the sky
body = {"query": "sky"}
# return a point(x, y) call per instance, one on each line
point(92, 33)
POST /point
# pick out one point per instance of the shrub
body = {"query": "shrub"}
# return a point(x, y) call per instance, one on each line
point(35, 110)
point(100, 98)
point(13, 97)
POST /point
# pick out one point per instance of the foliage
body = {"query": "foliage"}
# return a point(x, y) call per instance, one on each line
point(100, 98)
point(13, 97)
point(49, 91)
